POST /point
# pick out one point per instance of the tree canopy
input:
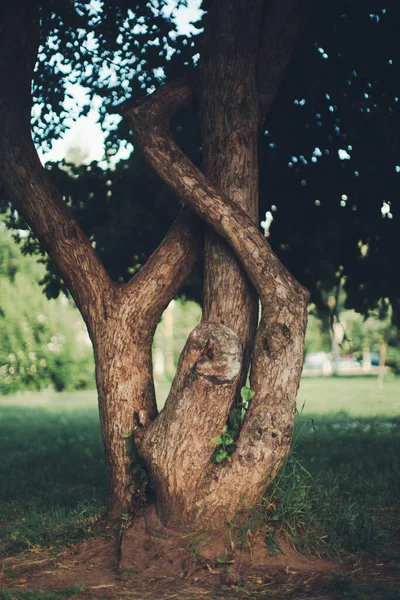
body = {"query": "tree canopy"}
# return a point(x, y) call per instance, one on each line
point(329, 153)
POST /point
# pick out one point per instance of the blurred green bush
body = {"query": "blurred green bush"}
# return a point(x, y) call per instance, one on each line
point(43, 343)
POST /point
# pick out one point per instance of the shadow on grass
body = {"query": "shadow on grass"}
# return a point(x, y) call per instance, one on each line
point(337, 493)
point(52, 476)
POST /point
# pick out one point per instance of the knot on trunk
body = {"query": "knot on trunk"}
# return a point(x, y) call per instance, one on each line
point(220, 352)
point(277, 338)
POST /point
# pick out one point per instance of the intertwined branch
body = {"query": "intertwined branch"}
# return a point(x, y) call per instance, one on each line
point(266, 432)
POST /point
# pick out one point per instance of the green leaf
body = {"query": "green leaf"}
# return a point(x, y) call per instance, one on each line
point(126, 435)
point(246, 393)
point(221, 455)
point(217, 440)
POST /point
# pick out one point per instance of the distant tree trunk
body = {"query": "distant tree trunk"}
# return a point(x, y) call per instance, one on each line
point(382, 363)
point(247, 49)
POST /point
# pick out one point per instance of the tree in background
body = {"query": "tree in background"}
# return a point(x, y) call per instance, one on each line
point(42, 344)
point(246, 48)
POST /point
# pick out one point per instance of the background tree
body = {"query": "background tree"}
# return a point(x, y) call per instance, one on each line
point(328, 157)
point(42, 344)
point(244, 56)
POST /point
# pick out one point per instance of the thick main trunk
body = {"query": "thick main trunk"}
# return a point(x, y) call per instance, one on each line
point(229, 120)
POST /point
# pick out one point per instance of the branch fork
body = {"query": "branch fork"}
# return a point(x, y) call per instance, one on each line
point(266, 432)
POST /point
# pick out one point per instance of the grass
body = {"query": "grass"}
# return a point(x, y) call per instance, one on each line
point(337, 493)
point(37, 595)
point(345, 587)
point(52, 473)
point(356, 396)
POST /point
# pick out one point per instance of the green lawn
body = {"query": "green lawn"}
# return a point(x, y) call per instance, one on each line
point(357, 396)
point(338, 492)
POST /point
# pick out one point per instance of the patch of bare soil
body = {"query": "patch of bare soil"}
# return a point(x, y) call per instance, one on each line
point(151, 563)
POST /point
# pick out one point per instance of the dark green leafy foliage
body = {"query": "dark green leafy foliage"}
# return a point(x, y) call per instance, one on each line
point(340, 94)
point(328, 154)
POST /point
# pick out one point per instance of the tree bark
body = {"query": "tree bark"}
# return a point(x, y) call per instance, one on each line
point(177, 444)
point(266, 433)
point(120, 319)
point(229, 122)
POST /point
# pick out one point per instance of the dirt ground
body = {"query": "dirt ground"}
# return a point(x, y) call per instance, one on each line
point(152, 564)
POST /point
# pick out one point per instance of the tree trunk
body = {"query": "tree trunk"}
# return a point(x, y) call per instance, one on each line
point(220, 490)
point(243, 43)
point(126, 403)
point(229, 119)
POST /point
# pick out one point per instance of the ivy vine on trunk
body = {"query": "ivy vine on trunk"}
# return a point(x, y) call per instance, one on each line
point(247, 47)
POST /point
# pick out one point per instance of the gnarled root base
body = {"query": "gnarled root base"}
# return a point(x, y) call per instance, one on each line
point(155, 551)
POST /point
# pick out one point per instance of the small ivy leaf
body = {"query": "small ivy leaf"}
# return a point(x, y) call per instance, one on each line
point(246, 393)
point(221, 455)
point(217, 440)
point(126, 435)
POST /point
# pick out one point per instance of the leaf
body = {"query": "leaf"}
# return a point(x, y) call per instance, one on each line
point(227, 439)
point(126, 435)
point(217, 440)
point(246, 393)
point(221, 455)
